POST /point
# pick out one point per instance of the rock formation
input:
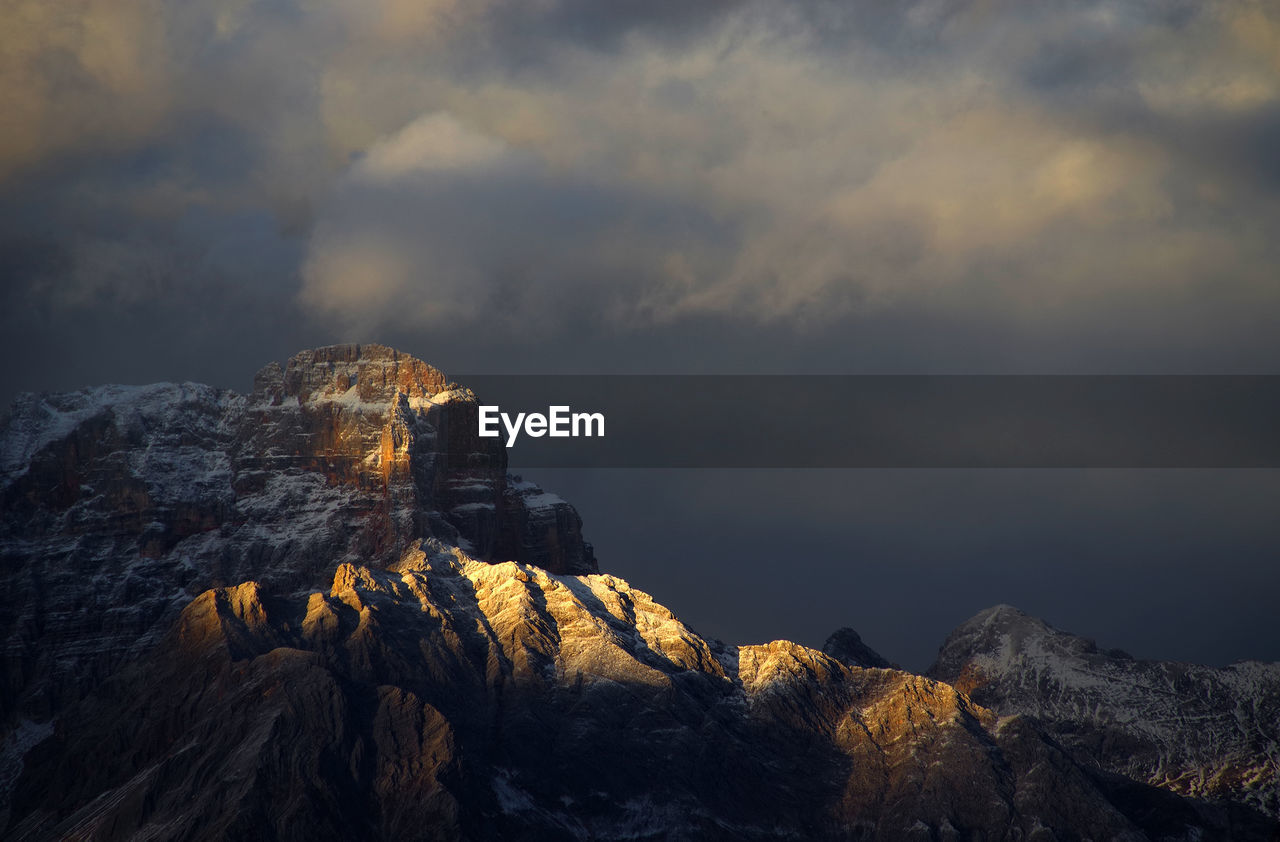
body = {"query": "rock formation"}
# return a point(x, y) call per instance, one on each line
point(323, 610)
point(846, 646)
point(446, 698)
point(1211, 734)
point(122, 503)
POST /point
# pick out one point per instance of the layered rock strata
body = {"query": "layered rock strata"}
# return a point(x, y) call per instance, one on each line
point(121, 503)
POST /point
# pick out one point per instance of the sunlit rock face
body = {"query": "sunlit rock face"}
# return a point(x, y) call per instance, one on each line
point(1212, 734)
point(445, 698)
point(121, 503)
point(323, 611)
point(370, 419)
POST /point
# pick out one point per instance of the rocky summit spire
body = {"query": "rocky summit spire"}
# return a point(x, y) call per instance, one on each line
point(371, 418)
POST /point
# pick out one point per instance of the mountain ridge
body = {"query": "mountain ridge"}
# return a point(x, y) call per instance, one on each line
point(324, 610)
point(1191, 729)
point(158, 492)
point(578, 708)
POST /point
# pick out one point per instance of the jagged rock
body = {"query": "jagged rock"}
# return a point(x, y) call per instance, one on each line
point(1209, 734)
point(448, 698)
point(121, 503)
point(846, 646)
point(324, 611)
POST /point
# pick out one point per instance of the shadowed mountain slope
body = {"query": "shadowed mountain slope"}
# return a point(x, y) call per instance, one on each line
point(323, 610)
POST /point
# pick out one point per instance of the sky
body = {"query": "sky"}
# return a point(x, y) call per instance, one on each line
point(189, 190)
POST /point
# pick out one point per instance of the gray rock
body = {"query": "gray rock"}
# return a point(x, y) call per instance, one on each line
point(122, 503)
point(448, 698)
point(323, 610)
point(1209, 734)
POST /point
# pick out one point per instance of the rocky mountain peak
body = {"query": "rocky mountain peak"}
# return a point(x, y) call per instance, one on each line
point(1004, 618)
point(445, 698)
point(324, 610)
point(120, 503)
point(999, 631)
point(377, 373)
point(1195, 730)
point(846, 646)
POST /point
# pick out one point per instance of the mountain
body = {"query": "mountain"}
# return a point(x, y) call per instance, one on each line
point(1193, 730)
point(323, 610)
point(444, 698)
point(121, 503)
point(846, 646)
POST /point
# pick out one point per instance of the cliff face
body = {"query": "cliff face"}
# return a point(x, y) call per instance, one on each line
point(324, 611)
point(122, 503)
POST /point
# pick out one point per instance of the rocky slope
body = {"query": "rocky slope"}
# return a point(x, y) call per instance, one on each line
point(122, 503)
point(446, 698)
point(1197, 731)
point(324, 611)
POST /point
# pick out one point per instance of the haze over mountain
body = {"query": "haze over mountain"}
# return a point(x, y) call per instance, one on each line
point(324, 610)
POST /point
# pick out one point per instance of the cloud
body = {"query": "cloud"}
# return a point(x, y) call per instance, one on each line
point(65, 70)
point(640, 165)
point(433, 143)
point(829, 182)
point(440, 224)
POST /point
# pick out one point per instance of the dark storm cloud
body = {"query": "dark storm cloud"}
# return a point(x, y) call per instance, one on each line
point(479, 228)
point(604, 25)
point(846, 200)
point(117, 267)
point(1032, 166)
point(1241, 147)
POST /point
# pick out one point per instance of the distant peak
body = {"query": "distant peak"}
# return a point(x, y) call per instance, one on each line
point(1003, 617)
point(377, 373)
point(352, 352)
point(846, 646)
point(1000, 613)
point(1002, 609)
